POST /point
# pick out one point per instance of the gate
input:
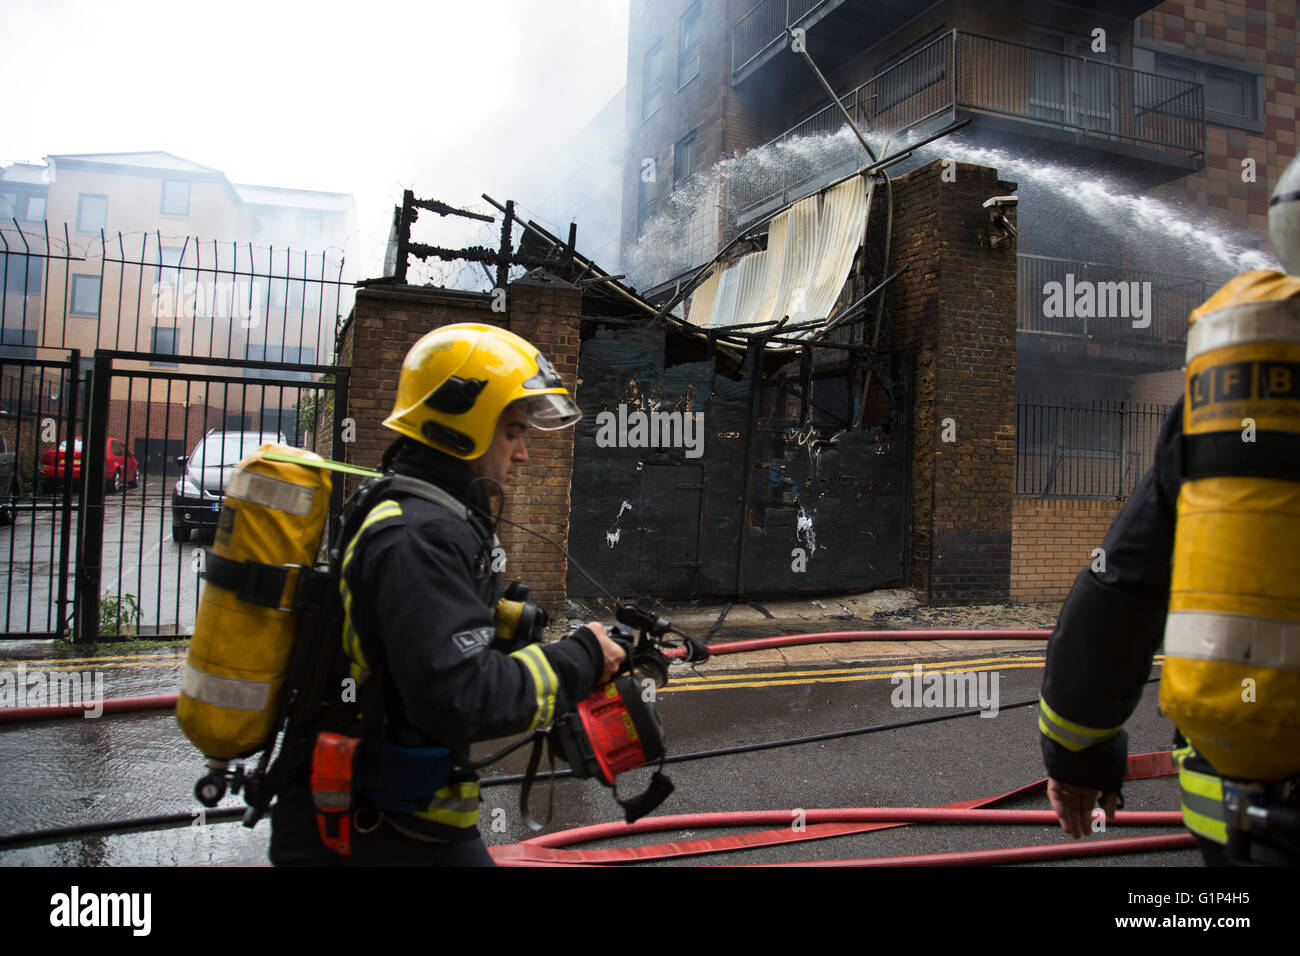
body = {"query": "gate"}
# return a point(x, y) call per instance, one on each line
point(190, 340)
point(142, 551)
point(40, 410)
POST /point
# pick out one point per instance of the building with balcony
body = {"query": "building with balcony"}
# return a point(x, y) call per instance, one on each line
point(1144, 138)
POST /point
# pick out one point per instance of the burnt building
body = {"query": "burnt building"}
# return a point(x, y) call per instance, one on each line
point(1193, 105)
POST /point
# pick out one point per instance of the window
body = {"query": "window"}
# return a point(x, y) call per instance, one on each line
point(175, 198)
point(17, 343)
point(85, 295)
point(291, 355)
point(647, 201)
point(1231, 96)
point(169, 269)
point(92, 213)
point(163, 342)
point(652, 77)
point(16, 278)
point(685, 157)
point(23, 206)
point(283, 421)
point(688, 45)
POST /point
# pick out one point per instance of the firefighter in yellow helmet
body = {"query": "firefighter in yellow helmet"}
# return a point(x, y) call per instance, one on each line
point(1204, 556)
point(433, 669)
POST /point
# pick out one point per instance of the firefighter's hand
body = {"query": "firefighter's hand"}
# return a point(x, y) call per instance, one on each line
point(1074, 805)
point(614, 654)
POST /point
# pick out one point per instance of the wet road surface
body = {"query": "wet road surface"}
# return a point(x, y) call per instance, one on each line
point(75, 771)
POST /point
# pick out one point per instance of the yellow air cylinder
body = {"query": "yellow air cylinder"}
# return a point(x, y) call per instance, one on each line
point(274, 513)
point(1231, 680)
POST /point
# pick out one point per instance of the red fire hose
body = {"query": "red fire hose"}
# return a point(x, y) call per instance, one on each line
point(113, 705)
point(835, 637)
point(546, 850)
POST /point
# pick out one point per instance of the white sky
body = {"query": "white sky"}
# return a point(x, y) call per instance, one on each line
point(451, 98)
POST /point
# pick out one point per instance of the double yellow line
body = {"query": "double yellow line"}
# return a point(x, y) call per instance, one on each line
point(95, 663)
point(837, 675)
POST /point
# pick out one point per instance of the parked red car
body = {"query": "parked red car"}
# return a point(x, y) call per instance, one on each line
point(120, 466)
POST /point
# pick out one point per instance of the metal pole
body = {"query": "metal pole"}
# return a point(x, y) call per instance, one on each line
point(503, 262)
point(336, 446)
point(755, 361)
point(70, 394)
point(403, 236)
point(90, 527)
point(834, 99)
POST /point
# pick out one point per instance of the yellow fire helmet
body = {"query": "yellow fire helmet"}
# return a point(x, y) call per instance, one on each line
point(457, 380)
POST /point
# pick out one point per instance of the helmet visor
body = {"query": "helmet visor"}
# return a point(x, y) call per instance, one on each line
point(552, 411)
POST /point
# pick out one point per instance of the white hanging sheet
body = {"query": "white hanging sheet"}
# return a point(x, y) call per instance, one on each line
point(809, 254)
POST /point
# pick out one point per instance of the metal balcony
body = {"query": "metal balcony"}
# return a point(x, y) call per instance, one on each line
point(1172, 299)
point(1010, 86)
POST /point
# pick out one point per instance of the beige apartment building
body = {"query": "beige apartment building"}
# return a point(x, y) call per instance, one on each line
point(152, 253)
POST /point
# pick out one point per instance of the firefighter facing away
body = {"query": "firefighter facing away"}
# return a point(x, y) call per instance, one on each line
point(1204, 555)
point(434, 667)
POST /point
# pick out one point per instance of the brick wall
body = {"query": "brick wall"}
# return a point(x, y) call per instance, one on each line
point(545, 311)
point(1053, 540)
point(955, 309)
point(387, 321)
point(1261, 34)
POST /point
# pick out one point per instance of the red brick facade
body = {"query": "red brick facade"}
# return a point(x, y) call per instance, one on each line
point(387, 321)
point(1053, 540)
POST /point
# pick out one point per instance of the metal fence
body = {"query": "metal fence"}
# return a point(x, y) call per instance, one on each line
point(146, 529)
point(40, 410)
point(1071, 449)
point(190, 338)
point(170, 295)
point(1050, 289)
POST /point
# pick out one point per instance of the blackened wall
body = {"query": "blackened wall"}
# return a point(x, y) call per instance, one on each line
point(756, 516)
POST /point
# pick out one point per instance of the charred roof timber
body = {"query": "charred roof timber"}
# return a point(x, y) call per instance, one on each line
point(557, 255)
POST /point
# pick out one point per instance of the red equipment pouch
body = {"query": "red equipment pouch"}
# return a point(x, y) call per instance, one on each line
point(331, 789)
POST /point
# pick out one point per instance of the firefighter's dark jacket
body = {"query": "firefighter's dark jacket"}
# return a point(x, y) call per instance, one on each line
point(422, 600)
point(1109, 629)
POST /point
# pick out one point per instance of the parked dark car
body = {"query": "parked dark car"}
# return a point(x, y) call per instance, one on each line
point(120, 465)
point(197, 494)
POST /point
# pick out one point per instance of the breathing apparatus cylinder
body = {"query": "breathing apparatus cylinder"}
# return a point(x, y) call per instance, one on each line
point(1231, 677)
point(267, 540)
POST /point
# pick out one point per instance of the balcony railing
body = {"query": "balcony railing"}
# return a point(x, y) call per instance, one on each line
point(979, 74)
point(764, 27)
point(1112, 295)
